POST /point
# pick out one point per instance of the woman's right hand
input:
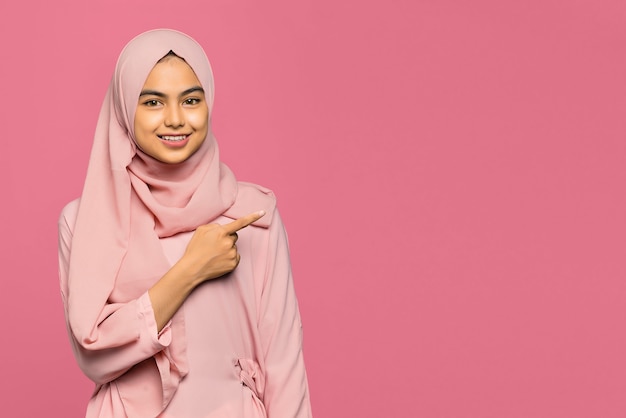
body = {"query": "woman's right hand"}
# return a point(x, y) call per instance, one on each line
point(212, 250)
point(211, 253)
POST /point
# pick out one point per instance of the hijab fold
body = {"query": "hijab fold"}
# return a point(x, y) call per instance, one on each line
point(130, 200)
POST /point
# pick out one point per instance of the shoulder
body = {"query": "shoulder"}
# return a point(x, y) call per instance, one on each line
point(67, 220)
point(254, 191)
point(251, 198)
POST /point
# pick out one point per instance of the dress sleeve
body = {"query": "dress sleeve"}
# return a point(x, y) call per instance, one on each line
point(286, 389)
point(106, 363)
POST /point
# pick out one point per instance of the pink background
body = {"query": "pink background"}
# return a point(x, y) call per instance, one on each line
point(451, 174)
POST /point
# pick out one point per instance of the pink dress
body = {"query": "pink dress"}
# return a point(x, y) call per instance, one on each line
point(243, 339)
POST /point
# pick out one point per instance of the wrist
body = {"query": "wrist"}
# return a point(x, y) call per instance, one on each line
point(185, 272)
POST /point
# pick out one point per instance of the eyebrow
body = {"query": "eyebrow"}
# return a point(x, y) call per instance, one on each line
point(160, 94)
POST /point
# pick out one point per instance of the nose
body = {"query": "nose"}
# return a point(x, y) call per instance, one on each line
point(174, 117)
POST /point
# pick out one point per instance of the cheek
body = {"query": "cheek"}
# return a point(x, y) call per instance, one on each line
point(145, 124)
point(199, 119)
point(147, 121)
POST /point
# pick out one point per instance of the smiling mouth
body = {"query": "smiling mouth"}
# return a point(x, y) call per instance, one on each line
point(173, 138)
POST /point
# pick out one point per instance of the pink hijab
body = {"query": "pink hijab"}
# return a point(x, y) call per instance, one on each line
point(130, 200)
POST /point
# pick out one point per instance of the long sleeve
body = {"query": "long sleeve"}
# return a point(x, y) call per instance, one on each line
point(286, 389)
point(105, 363)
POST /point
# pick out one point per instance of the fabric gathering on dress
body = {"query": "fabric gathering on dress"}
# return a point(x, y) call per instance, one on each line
point(234, 348)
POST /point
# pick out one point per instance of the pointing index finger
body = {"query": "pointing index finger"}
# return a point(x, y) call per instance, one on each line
point(241, 223)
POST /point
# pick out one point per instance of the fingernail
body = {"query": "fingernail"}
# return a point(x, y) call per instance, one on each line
point(261, 212)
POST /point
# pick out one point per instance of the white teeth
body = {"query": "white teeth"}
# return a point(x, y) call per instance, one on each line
point(174, 138)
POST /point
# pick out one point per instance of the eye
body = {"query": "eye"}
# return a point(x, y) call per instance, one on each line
point(191, 101)
point(151, 103)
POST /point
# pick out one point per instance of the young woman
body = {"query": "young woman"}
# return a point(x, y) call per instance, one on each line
point(175, 277)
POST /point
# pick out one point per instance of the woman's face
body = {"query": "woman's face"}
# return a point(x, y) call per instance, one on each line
point(172, 117)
